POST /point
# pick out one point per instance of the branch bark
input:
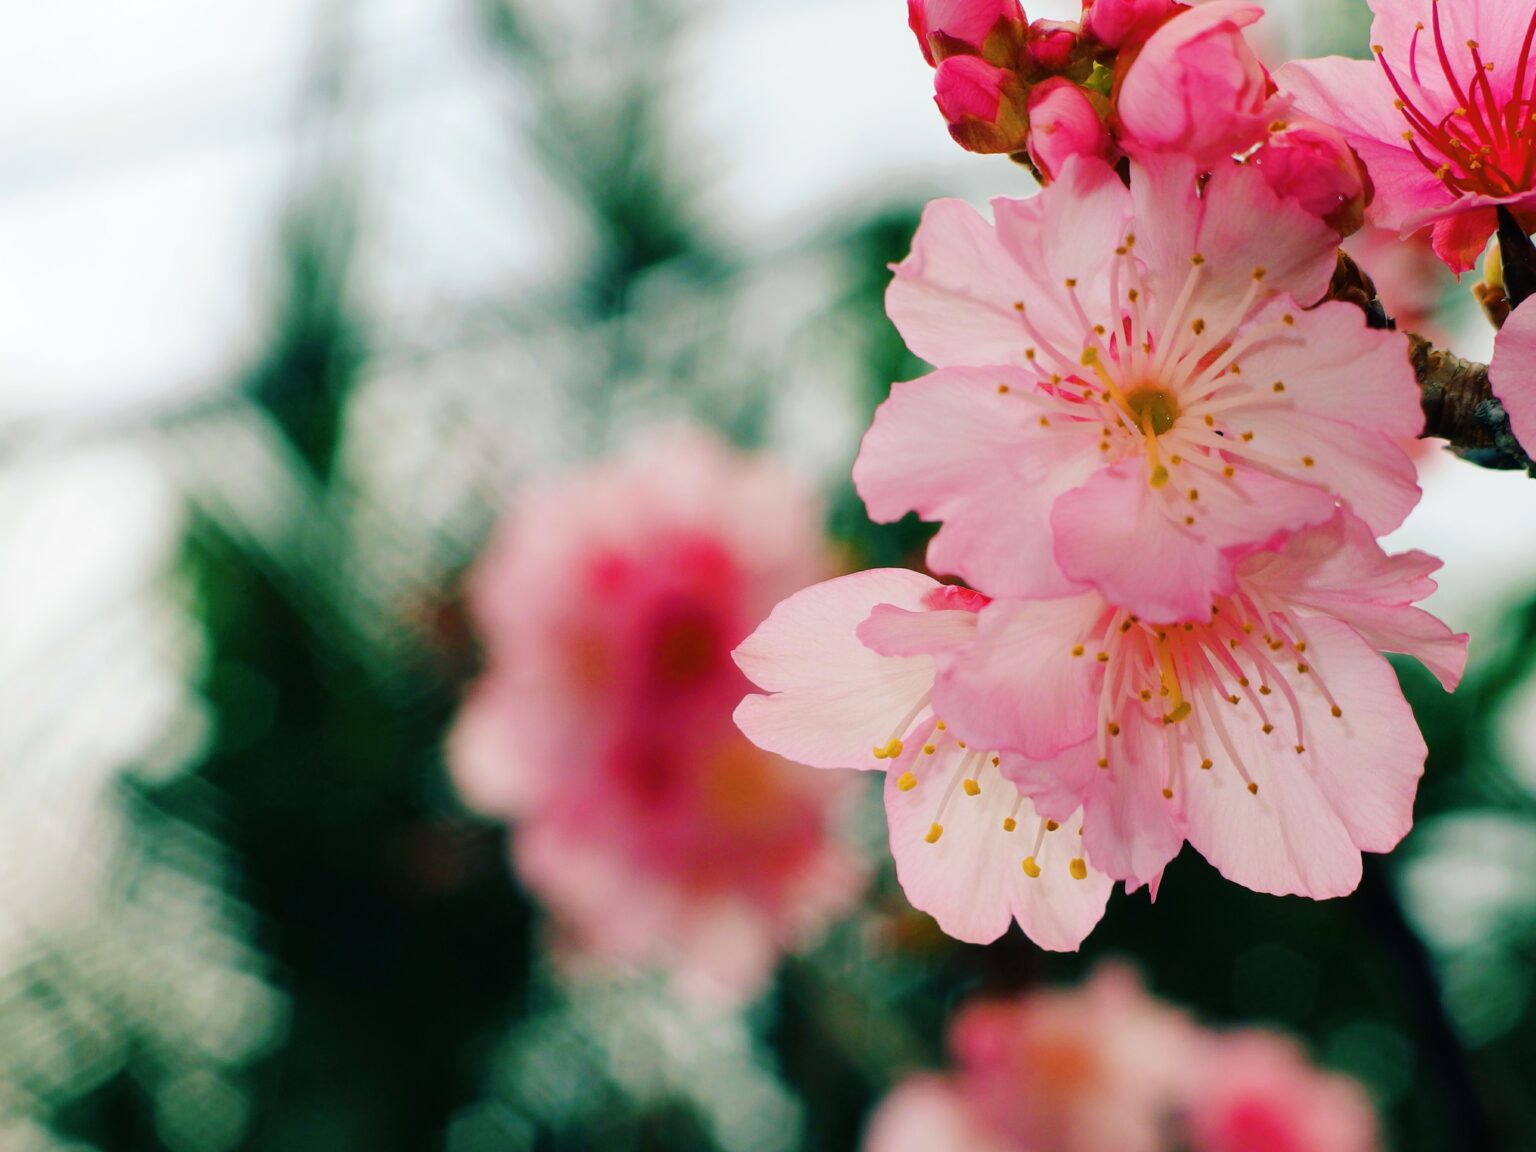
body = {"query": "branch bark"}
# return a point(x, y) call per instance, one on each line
point(1460, 408)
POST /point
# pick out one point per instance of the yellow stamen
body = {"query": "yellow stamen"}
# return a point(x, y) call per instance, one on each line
point(1078, 868)
point(906, 782)
point(934, 833)
point(1031, 869)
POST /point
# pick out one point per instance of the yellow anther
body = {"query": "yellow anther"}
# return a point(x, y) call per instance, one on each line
point(1002, 389)
point(940, 725)
point(1300, 749)
point(930, 749)
point(934, 833)
point(972, 788)
point(1337, 711)
point(891, 750)
point(1103, 763)
point(1253, 788)
point(1159, 477)
point(1267, 729)
point(1031, 869)
point(1077, 649)
point(1102, 657)
point(1112, 728)
point(1278, 385)
point(906, 782)
point(1207, 765)
point(1180, 712)
point(1302, 668)
point(1009, 823)
point(1078, 868)
point(1167, 793)
point(1051, 825)
point(1307, 462)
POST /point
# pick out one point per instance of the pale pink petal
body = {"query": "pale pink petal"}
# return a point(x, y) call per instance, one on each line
point(953, 447)
point(952, 298)
point(1351, 789)
point(1368, 471)
point(832, 700)
point(1131, 541)
point(926, 1114)
point(1021, 688)
point(1238, 225)
point(1513, 373)
point(1071, 234)
point(893, 631)
point(1340, 571)
point(1339, 369)
point(1130, 830)
point(972, 878)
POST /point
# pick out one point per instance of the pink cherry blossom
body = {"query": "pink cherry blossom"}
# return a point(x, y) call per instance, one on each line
point(1512, 372)
point(1132, 394)
point(1259, 1093)
point(1310, 163)
point(1101, 1067)
point(609, 603)
point(1125, 23)
point(986, 107)
point(848, 670)
point(1196, 88)
point(944, 28)
point(1440, 117)
point(1274, 737)
point(1064, 122)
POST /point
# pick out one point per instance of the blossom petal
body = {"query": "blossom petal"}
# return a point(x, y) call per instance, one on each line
point(1351, 788)
point(1020, 688)
point(831, 699)
point(972, 880)
point(953, 447)
point(1513, 373)
point(1131, 541)
point(952, 298)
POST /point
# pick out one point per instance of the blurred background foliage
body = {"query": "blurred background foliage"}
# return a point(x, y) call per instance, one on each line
point(256, 918)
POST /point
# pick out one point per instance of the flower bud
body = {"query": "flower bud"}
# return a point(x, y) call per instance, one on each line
point(1314, 165)
point(1196, 87)
point(992, 29)
point(987, 108)
point(1052, 43)
point(1063, 122)
point(1124, 23)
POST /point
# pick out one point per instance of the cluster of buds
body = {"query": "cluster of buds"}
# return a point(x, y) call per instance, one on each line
point(1137, 79)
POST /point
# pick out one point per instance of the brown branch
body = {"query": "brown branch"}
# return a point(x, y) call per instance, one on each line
point(1458, 401)
point(1460, 407)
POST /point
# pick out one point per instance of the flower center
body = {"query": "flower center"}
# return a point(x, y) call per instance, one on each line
point(1482, 145)
point(1153, 408)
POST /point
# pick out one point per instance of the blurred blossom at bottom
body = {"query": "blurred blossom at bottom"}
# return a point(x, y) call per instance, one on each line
point(608, 604)
point(1108, 1067)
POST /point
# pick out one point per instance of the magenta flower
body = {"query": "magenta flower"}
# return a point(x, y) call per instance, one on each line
point(1310, 163)
point(1512, 372)
point(848, 667)
point(609, 603)
point(1441, 117)
point(1132, 395)
point(1124, 23)
point(1196, 89)
point(1274, 738)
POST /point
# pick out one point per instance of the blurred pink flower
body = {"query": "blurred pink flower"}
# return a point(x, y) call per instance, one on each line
point(848, 667)
point(1259, 1093)
point(609, 603)
point(1101, 1067)
point(1410, 280)
point(1133, 393)
point(1438, 117)
point(1108, 1068)
point(1272, 735)
point(1196, 88)
point(1512, 372)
